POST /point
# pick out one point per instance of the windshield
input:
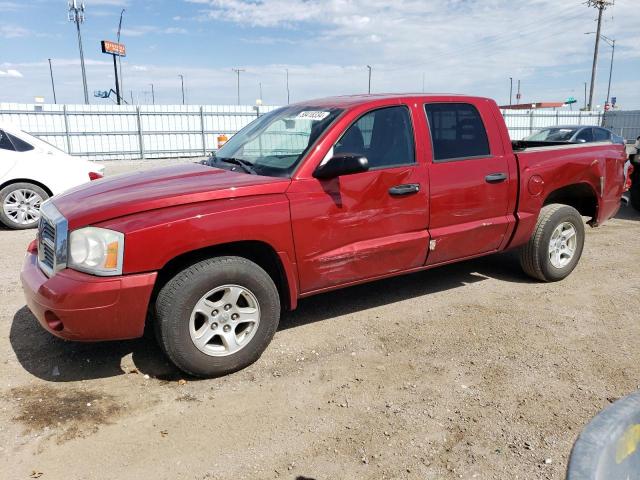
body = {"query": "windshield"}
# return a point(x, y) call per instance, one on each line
point(275, 143)
point(553, 135)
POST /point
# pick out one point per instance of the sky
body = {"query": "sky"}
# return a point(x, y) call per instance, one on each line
point(457, 46)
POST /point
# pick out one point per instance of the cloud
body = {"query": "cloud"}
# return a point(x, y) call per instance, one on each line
point(150, 29)
point(13, 31)
point(113, 3)
point(9, 6)
point(11, 73)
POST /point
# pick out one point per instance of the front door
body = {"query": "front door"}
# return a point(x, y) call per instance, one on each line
point(368, 224)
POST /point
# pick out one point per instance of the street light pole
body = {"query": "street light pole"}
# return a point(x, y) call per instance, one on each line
point(76, 15)
point(53, 85)
point(510, 90)
point(119, 57)
point(287, 72)
point(613, 51)
point(369, 67)
point(612, 43)
point(238, 71)
point(601, 5)
point(153, 95)
point(182, 84)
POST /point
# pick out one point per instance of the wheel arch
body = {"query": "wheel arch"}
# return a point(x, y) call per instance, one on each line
point(580, 196)
point(259, 252)
point(27, 180)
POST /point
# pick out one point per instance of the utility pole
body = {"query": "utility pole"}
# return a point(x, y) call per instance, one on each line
point(287, 72)
point(260, 87)
point(238, 71)
point(369, 67)
point(53, 85)
point(518, 95)
point(510, 90)
point(153, 95)
point(182, 84)
point(601, 5)
point(585, 96)
point(76, 14)
point(119, 57)
point(613, 51)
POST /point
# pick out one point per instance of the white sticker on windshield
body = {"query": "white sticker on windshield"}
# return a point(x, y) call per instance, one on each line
point(310, 115)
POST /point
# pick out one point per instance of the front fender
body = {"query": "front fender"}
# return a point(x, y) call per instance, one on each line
point(155, 237)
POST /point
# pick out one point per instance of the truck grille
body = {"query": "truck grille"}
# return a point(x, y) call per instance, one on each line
point(47, 242)
point(52, 240)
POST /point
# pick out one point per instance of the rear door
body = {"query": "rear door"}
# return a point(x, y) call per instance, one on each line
point(470, 181)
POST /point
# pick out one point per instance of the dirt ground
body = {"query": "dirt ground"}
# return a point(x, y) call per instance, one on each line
point(466, 371)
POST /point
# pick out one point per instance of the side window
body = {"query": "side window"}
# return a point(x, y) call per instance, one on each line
point(457, 131)
point(5, 143)
point(585, 134)
point(601, 135)
point(19, 145)
point(384, 136)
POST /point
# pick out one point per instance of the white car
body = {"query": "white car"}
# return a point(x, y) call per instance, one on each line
point(31, 171)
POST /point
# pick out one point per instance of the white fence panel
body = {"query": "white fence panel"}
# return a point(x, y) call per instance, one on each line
point(119, 132)
point(522, 123)
point(111, 132)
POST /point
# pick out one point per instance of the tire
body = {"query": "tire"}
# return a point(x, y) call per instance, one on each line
point(20, 205)
point(192, 307)
point(634, 191)
point(554, 223)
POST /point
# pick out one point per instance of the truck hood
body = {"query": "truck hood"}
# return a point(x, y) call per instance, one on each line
point(131, 193)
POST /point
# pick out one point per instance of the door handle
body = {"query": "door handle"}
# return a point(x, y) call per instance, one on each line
point(495, 177)
point(405, 189)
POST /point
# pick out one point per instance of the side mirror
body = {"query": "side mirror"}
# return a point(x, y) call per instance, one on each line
point(344, 164)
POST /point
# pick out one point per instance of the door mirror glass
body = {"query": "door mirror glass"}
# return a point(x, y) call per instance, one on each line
point(343, 164)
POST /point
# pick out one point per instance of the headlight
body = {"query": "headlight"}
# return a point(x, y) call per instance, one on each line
point(96, 250)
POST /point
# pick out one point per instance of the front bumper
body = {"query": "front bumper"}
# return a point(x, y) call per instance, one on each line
point(76, 306)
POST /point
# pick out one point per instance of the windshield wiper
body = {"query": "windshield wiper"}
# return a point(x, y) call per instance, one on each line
point(246, 166)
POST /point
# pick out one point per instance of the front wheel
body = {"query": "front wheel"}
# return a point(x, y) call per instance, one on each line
point(217, 316)
point(555, 247)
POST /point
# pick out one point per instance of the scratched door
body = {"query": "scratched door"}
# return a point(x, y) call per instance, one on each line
point(368, 224)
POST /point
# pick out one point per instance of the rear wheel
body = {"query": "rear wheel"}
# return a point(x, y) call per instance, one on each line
point(555, 247)
point(217, 316)
point(21, 205)
point(635, 194)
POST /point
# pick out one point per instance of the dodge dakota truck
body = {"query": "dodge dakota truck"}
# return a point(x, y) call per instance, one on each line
point(308, 198)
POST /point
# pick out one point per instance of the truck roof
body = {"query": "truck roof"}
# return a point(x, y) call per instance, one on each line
point(344, 101)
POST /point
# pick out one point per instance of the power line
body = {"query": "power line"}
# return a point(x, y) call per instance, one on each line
point(546, 23)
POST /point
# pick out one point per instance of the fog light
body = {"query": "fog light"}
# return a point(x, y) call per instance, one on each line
point(53, 321)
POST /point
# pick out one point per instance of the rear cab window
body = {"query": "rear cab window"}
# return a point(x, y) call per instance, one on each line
point(457, 132)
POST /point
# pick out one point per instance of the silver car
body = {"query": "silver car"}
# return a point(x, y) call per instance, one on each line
point(575, 134)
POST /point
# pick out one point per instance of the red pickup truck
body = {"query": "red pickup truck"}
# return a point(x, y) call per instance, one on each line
point(308, 198)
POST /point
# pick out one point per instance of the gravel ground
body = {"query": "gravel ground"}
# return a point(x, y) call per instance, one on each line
point(466, 371)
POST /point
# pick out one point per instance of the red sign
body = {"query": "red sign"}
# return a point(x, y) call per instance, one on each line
point(113, 48)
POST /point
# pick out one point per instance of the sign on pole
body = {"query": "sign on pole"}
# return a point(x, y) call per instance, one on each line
point(116, 50)
point(113, 48)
